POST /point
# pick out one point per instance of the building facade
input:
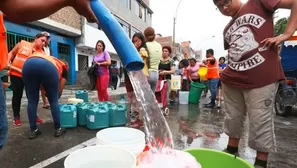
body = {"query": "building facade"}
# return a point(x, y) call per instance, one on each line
point(73, 38)
point(167, 41)
point(188, 51)
point(133, 15)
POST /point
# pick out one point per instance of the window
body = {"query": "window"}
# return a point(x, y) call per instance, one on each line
point(126, 3)
point(83, 62)
point(136, 7)
point(142, 13)
point(140, 10)
point(134, 30)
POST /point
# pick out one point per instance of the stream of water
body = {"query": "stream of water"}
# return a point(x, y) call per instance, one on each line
point(158, 134)
point(157, 130)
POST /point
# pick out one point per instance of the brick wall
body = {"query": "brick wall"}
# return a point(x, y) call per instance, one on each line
point(67, 16)
point(165, 41)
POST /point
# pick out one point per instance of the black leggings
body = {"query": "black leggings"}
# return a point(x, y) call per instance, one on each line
point(114, 81)
point(17, 87)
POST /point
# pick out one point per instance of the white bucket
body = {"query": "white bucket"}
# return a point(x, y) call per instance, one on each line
point(75, 100)
point(183, 97)
point(127, 138)
point(100, 156)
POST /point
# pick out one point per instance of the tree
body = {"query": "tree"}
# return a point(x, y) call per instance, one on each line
point(280, 26)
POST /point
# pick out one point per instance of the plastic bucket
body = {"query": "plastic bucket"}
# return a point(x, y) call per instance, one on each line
point(100, 156)
point(209, 158)
point(127, 138)
point(183, 97)
point(75, 100)
point(195, 92)
point(202, 72)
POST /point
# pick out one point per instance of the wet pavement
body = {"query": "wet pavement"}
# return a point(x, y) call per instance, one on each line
point(192, 127)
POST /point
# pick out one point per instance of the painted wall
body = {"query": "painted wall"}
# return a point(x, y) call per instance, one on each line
point(30, 30)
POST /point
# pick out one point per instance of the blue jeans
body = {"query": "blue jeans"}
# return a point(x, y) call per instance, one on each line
point(212, 86)
point(3, 118)
point(36, 72)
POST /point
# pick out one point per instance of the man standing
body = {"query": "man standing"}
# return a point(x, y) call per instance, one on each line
point(213, 76)
point(251, 78)
point(25, 12)
point(114, 74)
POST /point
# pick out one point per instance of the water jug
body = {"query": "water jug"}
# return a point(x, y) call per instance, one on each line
point(97, 116)
point(82, 94)
point(68, 116)
point(118, 117)
point(82, 113)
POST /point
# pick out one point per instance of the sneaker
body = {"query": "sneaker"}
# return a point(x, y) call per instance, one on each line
point(137, 124)
point(17, 122)
point(236, 153)
point(38, 120)
point(59, 132)
point(34, 134)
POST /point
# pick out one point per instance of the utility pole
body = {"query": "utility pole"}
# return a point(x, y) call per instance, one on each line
point(174, 23)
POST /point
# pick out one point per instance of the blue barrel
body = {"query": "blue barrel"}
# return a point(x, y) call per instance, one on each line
point(97, 117)
point(82, 94)
point(118, 117)
point(82, 113)
point(120, 40)
point(68, 116)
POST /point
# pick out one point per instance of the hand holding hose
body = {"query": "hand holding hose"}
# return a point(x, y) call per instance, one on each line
point(83, 8)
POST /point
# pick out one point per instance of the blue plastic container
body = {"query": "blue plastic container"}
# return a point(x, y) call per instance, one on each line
point(82, 94)
point(97, 117)
point(120, 40)
point(82, 113)
point(68, 116)
point(118, 117)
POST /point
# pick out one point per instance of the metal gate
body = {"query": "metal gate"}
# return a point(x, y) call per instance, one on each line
point(64, 53)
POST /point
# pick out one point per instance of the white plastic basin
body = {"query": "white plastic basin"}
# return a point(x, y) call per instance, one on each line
point(127, 138)
point(100, 156)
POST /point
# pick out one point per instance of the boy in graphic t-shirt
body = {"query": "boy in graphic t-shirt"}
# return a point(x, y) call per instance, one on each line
point(251, 78)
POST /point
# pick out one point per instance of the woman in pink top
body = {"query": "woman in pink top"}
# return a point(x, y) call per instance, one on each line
point(193, 71)
point(102, 59)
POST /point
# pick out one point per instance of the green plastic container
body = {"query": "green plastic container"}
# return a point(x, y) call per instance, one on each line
point(195, 92)
point(97, 117)
point(68, 116)
point(82, 113)
point(209, 158)
point(118, 116)
point(82, 94)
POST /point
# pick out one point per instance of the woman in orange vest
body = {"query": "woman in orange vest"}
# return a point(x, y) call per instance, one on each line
point(50, 73)
point(18, 55)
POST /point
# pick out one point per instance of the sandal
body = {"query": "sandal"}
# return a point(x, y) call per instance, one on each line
point(47, 107)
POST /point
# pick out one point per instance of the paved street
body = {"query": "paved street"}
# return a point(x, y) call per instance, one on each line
point(185, 121)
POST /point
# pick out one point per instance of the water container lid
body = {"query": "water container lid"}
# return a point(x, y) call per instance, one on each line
point(122, 97)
